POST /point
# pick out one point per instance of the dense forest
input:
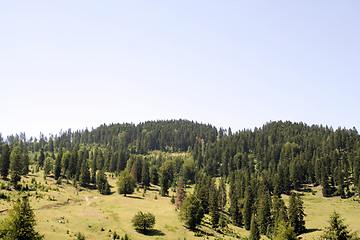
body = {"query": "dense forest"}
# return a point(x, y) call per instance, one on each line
point(259, 165)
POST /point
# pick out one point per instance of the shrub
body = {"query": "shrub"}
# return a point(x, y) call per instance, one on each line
point(143, 221)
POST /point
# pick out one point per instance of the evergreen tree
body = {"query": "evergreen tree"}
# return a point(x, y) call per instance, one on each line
point(248, 202)
point(154, 176)
point(145, 174)
point(25, 162)
point(223, 196)
point(254, 229)
point(133, 171)
point(84, 178)
point(73, 163)
point(65, 160)
point(235, 206)
point(41, 158)
point(264, 211)
point(296, 213)
point(279, 211)
point(180, 193)
point(57, 166)
point(191, 212)
point(284, 231)
point(15, 166)
point(235, 213)
point(138, 167)
point(326, 188)
point(20, 223)
point(47, 166)
point(102, 183)
point(93, 170)
point(5, 161)
point(166, 177)
point(126, 183)
point(214, 205)
point(202, 189)
point(337, 229)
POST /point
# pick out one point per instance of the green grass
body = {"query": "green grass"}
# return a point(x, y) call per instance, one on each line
point(318, 210)
point(88, 212)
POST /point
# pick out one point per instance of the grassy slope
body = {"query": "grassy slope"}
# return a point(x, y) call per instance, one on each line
point(87, 211)
point(318, 210)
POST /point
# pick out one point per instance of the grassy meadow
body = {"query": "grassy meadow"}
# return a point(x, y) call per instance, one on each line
point(62, 211)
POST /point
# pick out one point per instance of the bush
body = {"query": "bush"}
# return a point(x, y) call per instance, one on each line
point(80, 236)
point(143, 221)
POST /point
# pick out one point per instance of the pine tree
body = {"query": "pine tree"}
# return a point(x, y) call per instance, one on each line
point(20, 223)
point(202, 189)
point(102, 183)
point(191, 212)
point(248, 201)
point(166, 177)
point(133, 171)
point(284, 231)
point(145, 174)
point(223, 196)
point(47, 166)
point(73, 162)
point(93, 170)
point(57, 166)
point(337, 229)
point(154, 176)
point(5, 161)
point(214, 205)
point(296, 213)
point(15, 166)
point(254, 229)
point(41, 158)
point(180, 193)
point(264, 211)
point(65, 160)
point(279, 211)
point(84, 178)
point(25, 162)
point(234, 210)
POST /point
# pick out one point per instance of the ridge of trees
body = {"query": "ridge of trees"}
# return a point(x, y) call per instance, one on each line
point(259, 165)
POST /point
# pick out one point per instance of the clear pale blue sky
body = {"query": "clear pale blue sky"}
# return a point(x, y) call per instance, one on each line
point(239, 64)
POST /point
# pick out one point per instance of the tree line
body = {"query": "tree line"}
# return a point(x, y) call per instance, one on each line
point(259, 166)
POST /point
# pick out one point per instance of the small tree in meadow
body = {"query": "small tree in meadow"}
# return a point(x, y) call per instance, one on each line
point(143, 221)
point(126, 183)
point(337, 230)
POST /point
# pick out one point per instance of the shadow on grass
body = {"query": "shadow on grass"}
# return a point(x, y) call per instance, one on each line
point(134, 197)
point(312, 230)
point(151, 232)
point(200, 231)
point(152, 189)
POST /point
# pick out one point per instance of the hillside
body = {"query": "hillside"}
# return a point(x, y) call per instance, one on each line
point(260, 168)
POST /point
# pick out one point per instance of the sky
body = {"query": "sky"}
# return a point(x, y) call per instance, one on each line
point(233, 63)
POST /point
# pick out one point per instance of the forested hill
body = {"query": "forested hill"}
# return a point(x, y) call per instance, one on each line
point(287, 154)
point(171, 135)
point(259, 165)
